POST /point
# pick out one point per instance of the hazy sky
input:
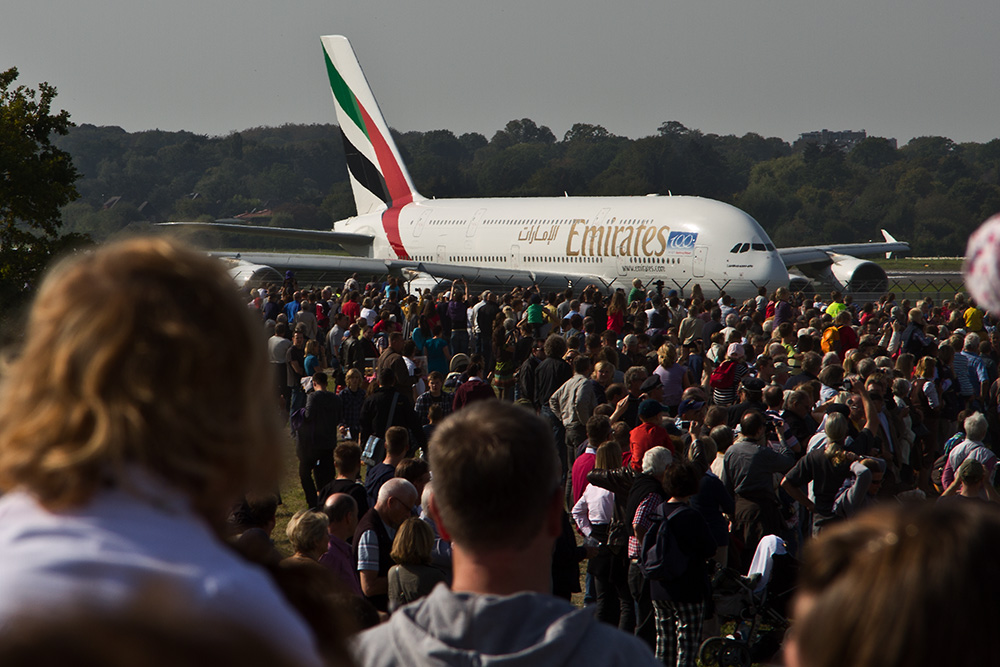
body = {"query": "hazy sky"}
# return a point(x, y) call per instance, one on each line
point(896, 68)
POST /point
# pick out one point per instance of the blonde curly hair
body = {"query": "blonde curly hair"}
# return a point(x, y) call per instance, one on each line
point(138, 354)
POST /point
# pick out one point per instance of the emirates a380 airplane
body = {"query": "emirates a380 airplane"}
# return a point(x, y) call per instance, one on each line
point(549, 241)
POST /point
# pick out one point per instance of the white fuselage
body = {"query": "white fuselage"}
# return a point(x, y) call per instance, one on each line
point(682, 241)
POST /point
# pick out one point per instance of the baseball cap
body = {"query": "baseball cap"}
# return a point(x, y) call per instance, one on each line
point(650, 408)
point(689, 405)
point(650, 383)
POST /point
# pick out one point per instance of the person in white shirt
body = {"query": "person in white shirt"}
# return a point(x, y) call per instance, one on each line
point(593, 515)
point(121, 456)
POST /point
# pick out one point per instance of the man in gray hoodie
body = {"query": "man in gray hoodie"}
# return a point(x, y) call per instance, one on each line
point(497, 498)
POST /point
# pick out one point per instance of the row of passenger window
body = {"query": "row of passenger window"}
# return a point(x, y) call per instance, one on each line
point(541, 259)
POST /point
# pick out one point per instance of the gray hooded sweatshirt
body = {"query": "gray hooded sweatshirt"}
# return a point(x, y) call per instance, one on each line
point(527, 629)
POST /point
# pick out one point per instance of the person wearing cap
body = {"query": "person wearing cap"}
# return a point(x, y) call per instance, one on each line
point(750, 398)
point(648, 434)
point(736, 356)
point(652, 388)
point(781, 373)
point(692, 411)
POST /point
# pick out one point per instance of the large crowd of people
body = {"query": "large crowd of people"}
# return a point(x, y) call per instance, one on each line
point(462, 455)
point(795, 411)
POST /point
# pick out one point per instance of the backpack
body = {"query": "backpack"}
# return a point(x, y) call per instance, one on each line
point(661, 556)
point(724, 375)
point(830, 339)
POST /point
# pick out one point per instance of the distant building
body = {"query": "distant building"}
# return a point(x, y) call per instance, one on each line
point(845, 139)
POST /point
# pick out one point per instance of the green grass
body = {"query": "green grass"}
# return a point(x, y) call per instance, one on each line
point(292, 497)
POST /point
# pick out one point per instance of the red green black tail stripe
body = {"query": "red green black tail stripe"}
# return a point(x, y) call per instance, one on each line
point(388, 184)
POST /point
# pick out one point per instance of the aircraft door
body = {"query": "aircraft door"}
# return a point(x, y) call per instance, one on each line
point(442, 255)
point(421, 221)
point(620, 262)
point(515, 256)
point(698, 266)
point(471, 228)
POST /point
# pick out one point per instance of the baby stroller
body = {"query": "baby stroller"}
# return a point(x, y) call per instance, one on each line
point(757, 604)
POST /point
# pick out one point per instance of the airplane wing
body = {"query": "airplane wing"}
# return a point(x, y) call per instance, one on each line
point(814, 254)
point(475, 275)
point(353, 244)
point(838, 265)
point(359, 259)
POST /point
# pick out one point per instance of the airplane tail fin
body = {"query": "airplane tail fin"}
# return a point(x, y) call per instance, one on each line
point(890, 239)
point(378, 177)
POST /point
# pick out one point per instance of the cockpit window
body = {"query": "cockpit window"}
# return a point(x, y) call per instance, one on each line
point(759, 246)
point(769, 246)
point(744, 247)
point(736, 248)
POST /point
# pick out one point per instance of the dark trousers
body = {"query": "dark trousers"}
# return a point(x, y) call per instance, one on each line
point(613, 598)
point(460, 341)
point(316, 470)
point(558, 433)
point(575, 434)
point(757, 515)
point(645, 619)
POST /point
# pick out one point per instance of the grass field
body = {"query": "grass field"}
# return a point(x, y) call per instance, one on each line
point(292, 497)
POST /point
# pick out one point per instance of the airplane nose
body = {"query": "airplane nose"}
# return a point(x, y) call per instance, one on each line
point(777, 273)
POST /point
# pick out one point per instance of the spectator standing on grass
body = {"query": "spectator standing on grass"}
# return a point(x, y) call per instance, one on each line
point(373, 538)
point(396, 445)
point(316, 439)
point(347, 460)
point(386, 407)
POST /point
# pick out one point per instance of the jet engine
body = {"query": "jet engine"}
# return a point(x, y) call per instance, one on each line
point(848, 274)
point(245, 274)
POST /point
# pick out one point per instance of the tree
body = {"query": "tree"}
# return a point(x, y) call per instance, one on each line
point(37, 179)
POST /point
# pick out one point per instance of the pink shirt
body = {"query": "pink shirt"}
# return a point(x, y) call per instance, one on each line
point(584, 464)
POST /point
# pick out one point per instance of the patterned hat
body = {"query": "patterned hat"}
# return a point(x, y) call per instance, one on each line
point(982, 265)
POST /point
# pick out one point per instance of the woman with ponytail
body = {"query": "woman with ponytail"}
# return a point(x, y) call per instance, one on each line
point(826, 467)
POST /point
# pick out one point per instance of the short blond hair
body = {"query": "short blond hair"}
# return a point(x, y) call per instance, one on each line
point(139, 354)
point(308, 530)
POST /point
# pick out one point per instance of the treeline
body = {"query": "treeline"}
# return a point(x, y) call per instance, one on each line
point(931, 192)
